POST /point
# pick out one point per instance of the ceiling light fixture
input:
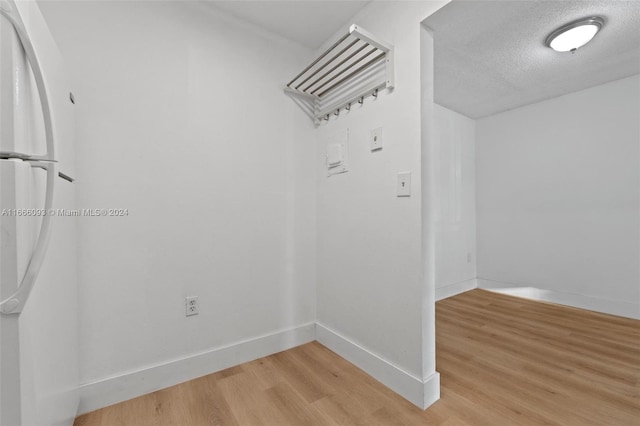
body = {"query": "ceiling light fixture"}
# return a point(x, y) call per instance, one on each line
point(569, 37)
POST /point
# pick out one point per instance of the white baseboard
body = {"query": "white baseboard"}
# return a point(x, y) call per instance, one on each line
point(613, 307)
point(431, 390)
point(450, 290)
point(421, 392)
point(112, 390)
point(120, 388)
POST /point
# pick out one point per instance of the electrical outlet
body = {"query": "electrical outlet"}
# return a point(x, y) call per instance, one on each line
point(192, 305)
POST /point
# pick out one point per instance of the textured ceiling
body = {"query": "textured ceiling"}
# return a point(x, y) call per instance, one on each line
point(308, 22)
point(490, 55)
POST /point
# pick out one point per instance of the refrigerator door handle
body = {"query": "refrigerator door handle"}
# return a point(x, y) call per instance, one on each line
point(15, 303)
point(9, 9)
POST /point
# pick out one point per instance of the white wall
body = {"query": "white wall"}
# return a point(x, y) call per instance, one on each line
point(234, 220)
point(455, 213)
point(558, 190)
point(373, 299)
point(182, 121)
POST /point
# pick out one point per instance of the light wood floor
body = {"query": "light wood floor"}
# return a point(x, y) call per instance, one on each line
point(502, 360)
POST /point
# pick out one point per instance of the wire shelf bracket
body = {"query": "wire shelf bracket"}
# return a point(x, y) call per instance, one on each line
point(355, 67)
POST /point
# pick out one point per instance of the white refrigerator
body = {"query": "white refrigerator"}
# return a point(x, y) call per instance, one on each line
point(38, 283)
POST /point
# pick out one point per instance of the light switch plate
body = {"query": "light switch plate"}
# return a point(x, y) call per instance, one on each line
point(404, 184)
point(376, 139)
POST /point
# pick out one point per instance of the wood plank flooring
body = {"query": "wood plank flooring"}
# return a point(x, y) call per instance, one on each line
point(503, 361)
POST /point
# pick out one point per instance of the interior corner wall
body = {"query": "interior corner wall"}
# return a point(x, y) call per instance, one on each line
point(371, 292)
point(455, 211)
point(558, 188)
point(181, 120)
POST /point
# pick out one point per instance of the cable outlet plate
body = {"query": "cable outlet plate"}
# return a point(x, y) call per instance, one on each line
point(192, 306)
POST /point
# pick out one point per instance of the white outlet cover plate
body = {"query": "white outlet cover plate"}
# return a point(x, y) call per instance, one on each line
point(192, 306)
point(404, 184)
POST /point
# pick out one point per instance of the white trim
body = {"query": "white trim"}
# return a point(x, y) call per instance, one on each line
point(431, 390)
point(613, 307)
point(421, 392)
point(450, 290)
point(112, 390)
point(129, 385)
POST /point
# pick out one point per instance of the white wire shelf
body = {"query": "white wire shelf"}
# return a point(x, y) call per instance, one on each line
point(355, 67)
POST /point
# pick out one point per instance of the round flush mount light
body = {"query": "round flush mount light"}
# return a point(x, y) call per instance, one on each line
point(570, 37)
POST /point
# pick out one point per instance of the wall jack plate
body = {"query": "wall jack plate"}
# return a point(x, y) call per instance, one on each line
point(192, 305)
